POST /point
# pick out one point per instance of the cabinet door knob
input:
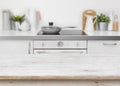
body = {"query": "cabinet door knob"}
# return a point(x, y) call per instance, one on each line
point(77, 44)
point(43, 45)
point(60, 44)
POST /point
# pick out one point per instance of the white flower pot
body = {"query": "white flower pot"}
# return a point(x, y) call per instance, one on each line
point(17, 26)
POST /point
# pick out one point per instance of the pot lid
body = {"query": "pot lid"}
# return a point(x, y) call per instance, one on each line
point(50, 25)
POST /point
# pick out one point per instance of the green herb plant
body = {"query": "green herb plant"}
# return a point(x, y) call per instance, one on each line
point(18, 18)
point(103, 18)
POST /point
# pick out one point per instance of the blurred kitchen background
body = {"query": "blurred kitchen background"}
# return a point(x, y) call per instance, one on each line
point(62, 12)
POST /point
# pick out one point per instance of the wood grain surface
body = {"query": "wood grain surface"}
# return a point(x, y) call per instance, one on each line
point(56, 78)
point(56, 66)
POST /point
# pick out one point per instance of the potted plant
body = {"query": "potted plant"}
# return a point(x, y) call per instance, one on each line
point(103, 21)
point(18, 20)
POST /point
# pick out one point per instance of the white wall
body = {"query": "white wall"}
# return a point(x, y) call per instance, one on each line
point(62, 12)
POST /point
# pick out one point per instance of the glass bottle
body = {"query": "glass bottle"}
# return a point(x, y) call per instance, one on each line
point(115, 23)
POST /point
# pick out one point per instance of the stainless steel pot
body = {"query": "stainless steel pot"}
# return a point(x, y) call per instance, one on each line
point(103, 26)
point(50, 29)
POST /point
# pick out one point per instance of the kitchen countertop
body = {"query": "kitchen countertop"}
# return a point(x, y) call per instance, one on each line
point(22, 35)
point(59, 66)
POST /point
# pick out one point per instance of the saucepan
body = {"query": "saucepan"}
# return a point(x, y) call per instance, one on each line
point(51, 29)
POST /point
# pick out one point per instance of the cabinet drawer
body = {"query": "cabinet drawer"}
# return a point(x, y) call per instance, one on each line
point(60, 44)
point(104, 47)
point(13, 47)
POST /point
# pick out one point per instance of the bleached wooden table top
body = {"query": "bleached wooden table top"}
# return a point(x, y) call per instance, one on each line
point(56, 66)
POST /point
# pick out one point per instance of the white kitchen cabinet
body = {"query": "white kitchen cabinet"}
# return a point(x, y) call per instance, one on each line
point(103, 47)
point(14, 47)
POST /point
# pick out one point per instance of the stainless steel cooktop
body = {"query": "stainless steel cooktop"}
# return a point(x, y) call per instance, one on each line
point(66, 32)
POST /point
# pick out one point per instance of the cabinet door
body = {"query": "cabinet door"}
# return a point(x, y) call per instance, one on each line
point(104, 47)
point(14, 47)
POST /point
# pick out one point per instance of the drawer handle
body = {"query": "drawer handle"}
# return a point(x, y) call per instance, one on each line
point(110, 44)
point(29, 48)
point(39, 52)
